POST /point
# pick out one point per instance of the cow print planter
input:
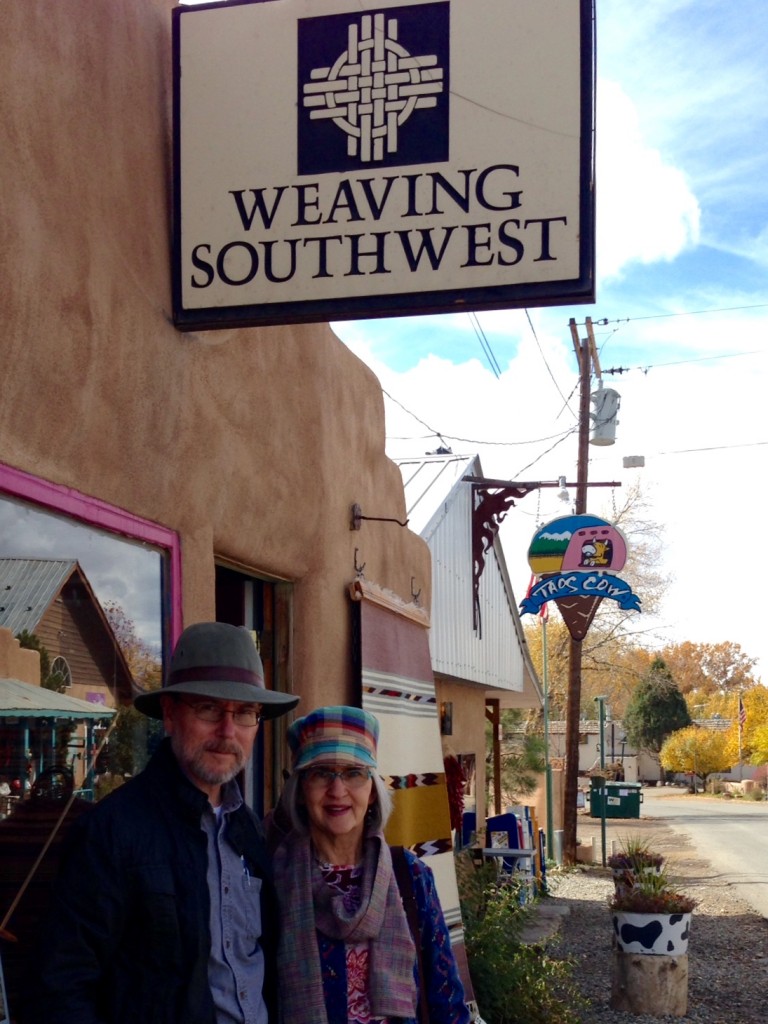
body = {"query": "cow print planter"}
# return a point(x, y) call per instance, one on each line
point(655, 934)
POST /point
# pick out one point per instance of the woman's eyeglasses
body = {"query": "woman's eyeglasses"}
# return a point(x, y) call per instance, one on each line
point(211, 711)
point(323, 778)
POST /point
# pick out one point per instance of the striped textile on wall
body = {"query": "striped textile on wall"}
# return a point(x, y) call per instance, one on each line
point(394, 672)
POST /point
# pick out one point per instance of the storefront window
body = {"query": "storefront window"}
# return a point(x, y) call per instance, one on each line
point(94, 591)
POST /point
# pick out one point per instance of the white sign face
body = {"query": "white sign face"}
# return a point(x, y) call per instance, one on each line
point(345, 158)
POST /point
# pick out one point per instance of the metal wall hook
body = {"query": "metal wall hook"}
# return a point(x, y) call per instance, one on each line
point(358, 568)
point(357, 518)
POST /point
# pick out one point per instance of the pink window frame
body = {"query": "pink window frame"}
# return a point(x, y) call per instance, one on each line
point(94, 512)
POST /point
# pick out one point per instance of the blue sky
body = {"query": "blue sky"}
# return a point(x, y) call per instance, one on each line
point(682, 269)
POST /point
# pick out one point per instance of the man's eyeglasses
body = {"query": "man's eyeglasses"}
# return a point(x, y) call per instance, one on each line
point(211, 711)
point(323, 778)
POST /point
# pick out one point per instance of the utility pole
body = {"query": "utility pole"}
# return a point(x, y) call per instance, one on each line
point(586, 354)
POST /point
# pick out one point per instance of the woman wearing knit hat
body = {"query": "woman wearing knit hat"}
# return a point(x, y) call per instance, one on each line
point(347, 953)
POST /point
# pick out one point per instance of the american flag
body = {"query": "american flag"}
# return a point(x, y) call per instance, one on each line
point(544, 610)
point(742, 714)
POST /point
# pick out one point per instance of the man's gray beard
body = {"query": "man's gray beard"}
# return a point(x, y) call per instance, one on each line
point(211, 775)
point(195, 763)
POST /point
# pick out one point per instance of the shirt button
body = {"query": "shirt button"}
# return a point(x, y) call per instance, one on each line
point(226, 889)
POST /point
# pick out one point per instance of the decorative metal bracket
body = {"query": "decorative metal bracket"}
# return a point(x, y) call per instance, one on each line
point(358, 517)
point(490, 505)
point(491, 500)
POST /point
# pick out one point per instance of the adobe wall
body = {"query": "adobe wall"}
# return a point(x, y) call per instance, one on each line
point(252, 444)
point(468, 735)
point(17, 662)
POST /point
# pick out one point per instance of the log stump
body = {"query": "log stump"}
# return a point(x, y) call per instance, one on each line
point(654, 985)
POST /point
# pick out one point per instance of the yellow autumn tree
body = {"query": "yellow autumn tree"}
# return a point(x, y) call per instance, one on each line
point(756, 723)
point(696, 749)
point(710, 669)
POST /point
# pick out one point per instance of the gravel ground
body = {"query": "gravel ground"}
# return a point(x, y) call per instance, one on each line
point(727, 950)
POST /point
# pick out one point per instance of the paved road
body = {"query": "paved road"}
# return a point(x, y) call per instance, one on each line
point(732, 835)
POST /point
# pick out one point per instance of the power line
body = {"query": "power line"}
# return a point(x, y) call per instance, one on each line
point(698, 359)
point(441, 435)
point(691, 312)
point(485, 344)
point(546, 364)
point(715, 448)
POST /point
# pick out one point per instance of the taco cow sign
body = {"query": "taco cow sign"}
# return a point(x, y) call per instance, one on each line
point(577, 558)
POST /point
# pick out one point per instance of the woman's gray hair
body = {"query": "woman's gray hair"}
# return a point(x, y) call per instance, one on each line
point(292, 804)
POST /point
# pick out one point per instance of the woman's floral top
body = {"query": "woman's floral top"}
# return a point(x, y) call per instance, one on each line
point(345, 966)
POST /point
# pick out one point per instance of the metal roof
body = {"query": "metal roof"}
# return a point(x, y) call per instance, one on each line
point(23, 700)
point(27, 587)
point(428, 481)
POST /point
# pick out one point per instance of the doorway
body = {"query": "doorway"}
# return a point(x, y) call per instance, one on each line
point(264, 607)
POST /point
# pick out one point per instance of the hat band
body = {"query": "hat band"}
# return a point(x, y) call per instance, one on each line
point(214, 673)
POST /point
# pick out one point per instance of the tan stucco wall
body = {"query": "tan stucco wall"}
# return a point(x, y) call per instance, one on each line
point(252, 444)
point(17, 662)
point(468, 736)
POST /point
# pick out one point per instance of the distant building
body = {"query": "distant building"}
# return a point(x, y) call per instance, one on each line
point(53, 600)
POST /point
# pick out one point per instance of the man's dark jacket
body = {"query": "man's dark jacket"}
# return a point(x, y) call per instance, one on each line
point(128, 937)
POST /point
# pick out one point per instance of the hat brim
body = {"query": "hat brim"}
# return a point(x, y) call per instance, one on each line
point(273, 703)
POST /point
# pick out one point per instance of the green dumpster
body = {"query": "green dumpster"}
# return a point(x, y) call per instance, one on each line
point(622, 799)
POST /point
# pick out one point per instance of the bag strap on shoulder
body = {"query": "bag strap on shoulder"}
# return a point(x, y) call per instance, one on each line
point(405, 885)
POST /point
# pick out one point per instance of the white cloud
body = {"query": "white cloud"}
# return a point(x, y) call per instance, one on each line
point(645, 209)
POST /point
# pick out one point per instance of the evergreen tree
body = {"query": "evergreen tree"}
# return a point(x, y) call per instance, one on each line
point(656, 709)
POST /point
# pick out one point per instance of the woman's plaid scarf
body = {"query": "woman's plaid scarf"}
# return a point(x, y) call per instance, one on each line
point(307, 904)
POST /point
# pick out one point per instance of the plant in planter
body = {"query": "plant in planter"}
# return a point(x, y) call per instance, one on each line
point(652, 916)
point(633, 861)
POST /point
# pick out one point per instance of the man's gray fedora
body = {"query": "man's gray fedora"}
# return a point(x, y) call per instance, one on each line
point(214, 659)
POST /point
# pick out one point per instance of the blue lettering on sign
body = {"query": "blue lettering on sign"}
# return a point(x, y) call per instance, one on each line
point(580, 584)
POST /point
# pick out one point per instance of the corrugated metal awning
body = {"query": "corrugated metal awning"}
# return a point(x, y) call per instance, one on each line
point(22, 700)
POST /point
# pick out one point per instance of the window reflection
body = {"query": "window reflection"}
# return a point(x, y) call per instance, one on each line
point(81, 628)
point(89, 603)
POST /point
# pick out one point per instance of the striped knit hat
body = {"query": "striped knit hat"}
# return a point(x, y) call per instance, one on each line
point(338, 735)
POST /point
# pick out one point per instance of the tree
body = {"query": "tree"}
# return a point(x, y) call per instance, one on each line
point(523, 757)
point(134, 734)
point(752, 745)
point(759, 752)
point(657, 708)
point(709, 669)
point(131, 741)
point(610, 672)
point(143, 661)
point(697, 750)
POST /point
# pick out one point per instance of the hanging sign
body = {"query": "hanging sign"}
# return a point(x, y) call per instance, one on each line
point(577, 558)
point(347, 158)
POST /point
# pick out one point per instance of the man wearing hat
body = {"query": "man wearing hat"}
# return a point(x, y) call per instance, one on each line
point(165, 909)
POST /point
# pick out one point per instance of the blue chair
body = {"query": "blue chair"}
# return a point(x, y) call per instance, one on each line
point(468, 828)
point(502, 832)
